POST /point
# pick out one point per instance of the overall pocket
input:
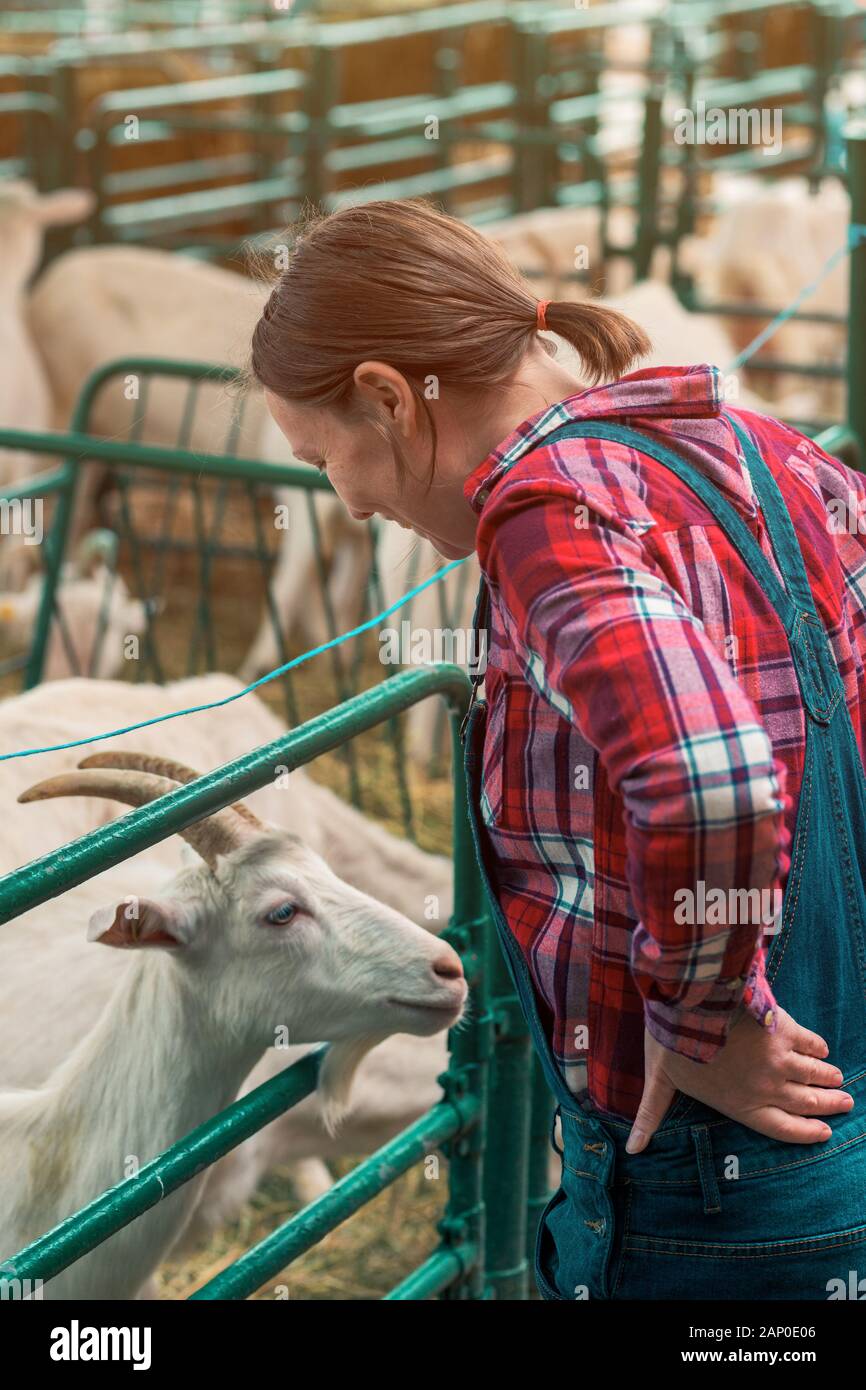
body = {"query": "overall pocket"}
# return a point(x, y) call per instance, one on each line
point(790, 1219)
point(579, 1241)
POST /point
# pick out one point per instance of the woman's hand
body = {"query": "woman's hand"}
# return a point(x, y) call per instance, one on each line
point(775, 1083)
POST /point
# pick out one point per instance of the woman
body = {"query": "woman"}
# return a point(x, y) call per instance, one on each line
point(672, 731)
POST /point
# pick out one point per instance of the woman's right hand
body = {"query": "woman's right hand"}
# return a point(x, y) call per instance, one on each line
point(776, 1083)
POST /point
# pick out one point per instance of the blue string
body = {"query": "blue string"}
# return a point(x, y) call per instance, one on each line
point(856, 236)
point(263, 680)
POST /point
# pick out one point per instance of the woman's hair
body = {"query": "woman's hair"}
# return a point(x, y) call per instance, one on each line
point(400, 282)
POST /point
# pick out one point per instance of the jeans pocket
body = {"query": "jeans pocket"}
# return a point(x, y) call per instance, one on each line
point(815, 1269)
point(789, 1221)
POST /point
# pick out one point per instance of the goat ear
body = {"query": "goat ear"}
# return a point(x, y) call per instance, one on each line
point(65, 205)
point(137, 922)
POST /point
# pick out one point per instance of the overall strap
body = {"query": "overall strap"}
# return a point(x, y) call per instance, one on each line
point(820, 682)
point(786, 546)
point(480, 622)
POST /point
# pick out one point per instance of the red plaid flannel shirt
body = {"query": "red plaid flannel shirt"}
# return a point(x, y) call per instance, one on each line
point(645, 730)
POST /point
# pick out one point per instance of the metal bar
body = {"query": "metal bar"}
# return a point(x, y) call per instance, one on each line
point(841, 442)
point(822, 371)
point(266, 1259)
point(387, 116)
point(87, 446)
point(469, 1067)
point(855, 146)
point(53, 873)
point(648, 183)
point(759, 311)
point(37, 485)
point(55, 549)
point(441, 1271)
point(191, 93)
point(182, 207)
point(236, 37)
point(85, 1229)
point(420, 185)
point(506, 1178)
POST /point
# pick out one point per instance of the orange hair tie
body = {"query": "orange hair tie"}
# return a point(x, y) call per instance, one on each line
point(540, 309)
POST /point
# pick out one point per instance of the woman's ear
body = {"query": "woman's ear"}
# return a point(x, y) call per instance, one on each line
point(382, 386)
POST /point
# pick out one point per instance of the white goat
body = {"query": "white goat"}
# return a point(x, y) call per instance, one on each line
point(25, 399)
point(97, 615)
point(262, 937)
point(360, 850)
point(767, 244)
point(98, 303)
point(52, 989)
point(553, 243)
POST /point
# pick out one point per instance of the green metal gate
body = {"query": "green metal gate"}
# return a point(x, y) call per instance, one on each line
point(493, 1121)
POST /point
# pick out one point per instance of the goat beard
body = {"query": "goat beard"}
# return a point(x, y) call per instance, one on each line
point(336, 1075)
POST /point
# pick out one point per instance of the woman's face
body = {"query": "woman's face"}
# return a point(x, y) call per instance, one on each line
point(368, 479)
point(363, 472)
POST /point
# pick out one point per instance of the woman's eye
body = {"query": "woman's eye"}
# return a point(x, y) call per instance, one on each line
point(279, 916)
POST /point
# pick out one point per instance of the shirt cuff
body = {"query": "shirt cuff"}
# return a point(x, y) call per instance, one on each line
point(700, 1033)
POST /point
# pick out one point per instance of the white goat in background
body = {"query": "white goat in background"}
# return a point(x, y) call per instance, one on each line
point(768, 243)
point(25, 397)
point(97, 303)
point(93, 603)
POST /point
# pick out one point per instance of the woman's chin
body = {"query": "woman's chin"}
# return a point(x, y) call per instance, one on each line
point(446, 549)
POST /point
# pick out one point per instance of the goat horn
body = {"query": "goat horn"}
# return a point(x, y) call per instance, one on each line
point(219, 833)
point(161, 767)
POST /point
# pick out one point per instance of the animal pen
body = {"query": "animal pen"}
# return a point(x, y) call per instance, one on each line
point(531, 135)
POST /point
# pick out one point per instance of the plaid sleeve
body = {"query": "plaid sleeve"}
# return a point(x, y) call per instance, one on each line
point(603, 637)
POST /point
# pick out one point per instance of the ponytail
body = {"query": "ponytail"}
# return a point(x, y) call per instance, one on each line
point(605, 340)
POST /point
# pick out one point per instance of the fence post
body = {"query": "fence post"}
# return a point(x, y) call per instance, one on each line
point(54, 544)
point(320, 95)
point(855, 145)
point(463, 1226)
point(648, 183)
point(509, 1109)
point(534, 183)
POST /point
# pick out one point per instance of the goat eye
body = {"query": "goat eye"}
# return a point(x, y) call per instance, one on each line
point(279, 916)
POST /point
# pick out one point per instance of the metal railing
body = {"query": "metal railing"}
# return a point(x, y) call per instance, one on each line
point(184, 528)
point(492, 1122)
point(542, 128)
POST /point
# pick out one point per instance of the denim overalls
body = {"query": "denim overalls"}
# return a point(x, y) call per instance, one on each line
point(712, 1209)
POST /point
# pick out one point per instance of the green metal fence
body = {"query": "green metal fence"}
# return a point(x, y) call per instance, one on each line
point(193, 542)
point(272, 125)
point(493, 1121)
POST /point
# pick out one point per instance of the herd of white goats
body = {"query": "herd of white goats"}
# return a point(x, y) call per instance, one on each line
point(294, 912)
